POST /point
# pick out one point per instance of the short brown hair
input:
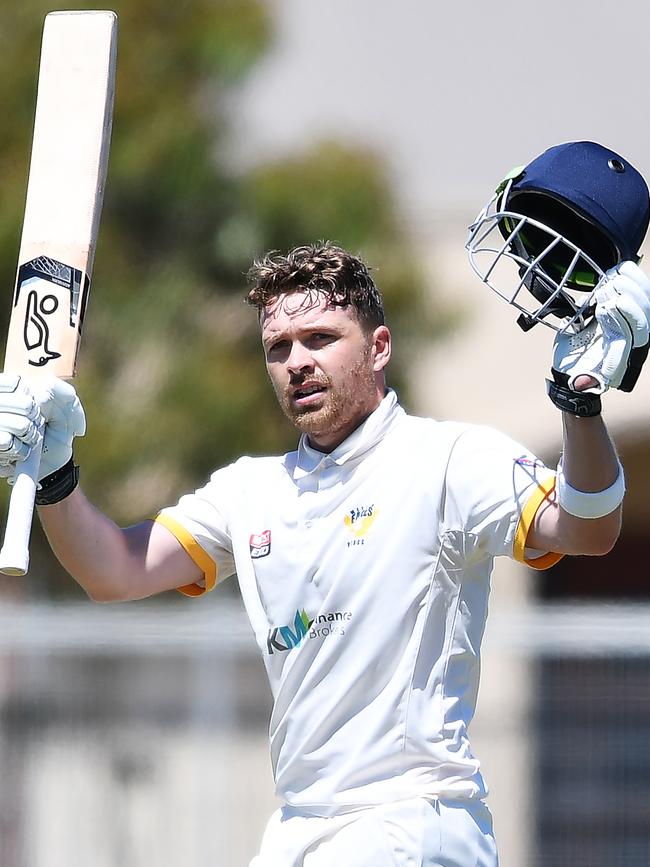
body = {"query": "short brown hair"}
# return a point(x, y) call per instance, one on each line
point(322, 267)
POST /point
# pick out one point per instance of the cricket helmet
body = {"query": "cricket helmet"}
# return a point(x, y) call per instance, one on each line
point(564, 219)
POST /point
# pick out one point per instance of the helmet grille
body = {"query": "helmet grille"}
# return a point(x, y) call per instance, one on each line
point(569, 224)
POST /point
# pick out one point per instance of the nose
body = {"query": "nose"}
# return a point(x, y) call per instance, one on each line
point(299, 358)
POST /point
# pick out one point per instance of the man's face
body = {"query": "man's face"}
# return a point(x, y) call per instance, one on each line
point(326, 369)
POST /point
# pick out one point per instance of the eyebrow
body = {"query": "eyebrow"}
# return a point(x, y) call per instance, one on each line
point(274, 334)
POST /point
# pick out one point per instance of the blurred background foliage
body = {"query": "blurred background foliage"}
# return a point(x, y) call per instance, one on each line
point(171, 372)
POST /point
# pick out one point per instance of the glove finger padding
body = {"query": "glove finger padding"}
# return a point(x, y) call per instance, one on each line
point(631, 289)
point(637, 315)
point(639, 284)
point(20, 422)
point(13, 449)
point(16, 399)
point(18, 426)
point(618, 341)
point(634, 364)
point(623, 295)
point(626, 329)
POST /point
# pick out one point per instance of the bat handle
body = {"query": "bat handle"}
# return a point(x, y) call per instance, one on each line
point(14, 555)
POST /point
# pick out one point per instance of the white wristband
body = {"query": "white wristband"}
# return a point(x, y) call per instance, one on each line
point(582, 504)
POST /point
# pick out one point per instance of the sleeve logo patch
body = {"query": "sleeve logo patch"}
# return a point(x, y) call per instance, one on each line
point(529, 462)
point(260, 544)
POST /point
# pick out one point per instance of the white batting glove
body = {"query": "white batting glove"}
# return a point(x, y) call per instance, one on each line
point(614, 346)
point(22, 411)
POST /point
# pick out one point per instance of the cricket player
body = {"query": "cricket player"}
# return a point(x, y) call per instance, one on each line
point(364, 556)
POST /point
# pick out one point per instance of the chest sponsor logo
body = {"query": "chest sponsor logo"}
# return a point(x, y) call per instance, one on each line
point(282, 638)
point(358, 522)
point(260, 544)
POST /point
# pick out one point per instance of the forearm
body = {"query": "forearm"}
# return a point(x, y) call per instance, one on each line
point(588, 455)
point(91, 547)
point(590, 465)
point(114, 564)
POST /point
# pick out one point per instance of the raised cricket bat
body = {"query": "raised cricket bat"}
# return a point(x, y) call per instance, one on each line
point(67, 175)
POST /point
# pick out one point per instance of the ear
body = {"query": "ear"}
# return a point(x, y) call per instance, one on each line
point(381, 347)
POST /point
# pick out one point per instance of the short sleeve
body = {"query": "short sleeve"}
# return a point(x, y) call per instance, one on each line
point(494, 488)
point(200, 523)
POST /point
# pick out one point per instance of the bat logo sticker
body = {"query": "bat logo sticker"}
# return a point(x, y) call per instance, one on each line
point(36, 331)
point(51, 299)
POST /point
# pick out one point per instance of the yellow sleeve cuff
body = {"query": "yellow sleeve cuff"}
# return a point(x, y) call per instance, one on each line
point(202, 559)
point(540, 495)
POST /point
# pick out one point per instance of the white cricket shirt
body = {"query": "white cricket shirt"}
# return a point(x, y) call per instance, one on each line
point(365, 574)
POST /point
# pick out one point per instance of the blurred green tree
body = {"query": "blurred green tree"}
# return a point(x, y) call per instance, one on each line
point(171, 373)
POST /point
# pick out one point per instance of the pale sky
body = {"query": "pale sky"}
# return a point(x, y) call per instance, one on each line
point(453, 94)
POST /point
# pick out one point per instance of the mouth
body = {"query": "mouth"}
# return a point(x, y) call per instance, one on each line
point(307, 394)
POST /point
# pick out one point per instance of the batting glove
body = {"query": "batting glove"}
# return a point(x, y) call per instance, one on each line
point(611, 349)
point(23, 411)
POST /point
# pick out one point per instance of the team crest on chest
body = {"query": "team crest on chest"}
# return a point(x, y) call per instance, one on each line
point(260, 544)
point(358, 522)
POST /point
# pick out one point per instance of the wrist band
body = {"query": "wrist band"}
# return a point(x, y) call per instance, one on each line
point(56, 487)
point(583, 404)
point(583, 504)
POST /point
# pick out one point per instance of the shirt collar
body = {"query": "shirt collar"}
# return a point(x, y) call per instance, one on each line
point(363, 438)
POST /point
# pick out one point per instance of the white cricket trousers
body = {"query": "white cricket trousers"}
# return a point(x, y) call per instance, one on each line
point(414, 833)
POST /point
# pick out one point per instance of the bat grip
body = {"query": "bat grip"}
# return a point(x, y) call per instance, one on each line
point(14, 555)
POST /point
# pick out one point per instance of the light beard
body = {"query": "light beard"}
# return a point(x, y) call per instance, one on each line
point(345, 406)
